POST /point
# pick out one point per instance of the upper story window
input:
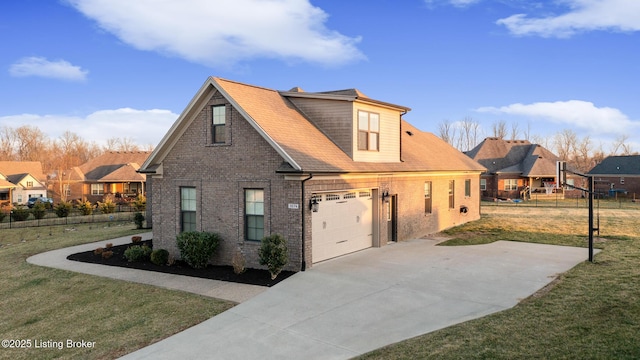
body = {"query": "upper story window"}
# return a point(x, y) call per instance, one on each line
point(218, 124)
point(30, 183)
point(483, 184)
point(368, 131)
point(467, 187)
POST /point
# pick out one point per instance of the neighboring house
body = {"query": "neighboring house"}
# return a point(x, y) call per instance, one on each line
point(111, 175)
point(618, 175)
point(333, 172)
point(26, 179)
point(26, 186)
point(516, 169)
point(6, 189)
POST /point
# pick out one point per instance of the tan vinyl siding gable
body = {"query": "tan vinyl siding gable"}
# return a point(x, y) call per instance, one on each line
point(389, 135)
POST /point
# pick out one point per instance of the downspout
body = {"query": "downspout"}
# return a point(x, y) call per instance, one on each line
point(400, 125)
point(304, 206)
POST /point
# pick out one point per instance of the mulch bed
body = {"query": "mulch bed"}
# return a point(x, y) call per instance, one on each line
point(212, 272)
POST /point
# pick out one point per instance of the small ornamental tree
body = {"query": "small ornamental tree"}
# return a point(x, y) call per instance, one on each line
point(63, 209)
point(39, 210)
point(196, 248)
point(140, 203)
point(273, 253)
point(107, 207)
point(84, 207)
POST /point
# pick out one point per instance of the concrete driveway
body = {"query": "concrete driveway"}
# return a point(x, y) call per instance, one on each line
point(353, 304)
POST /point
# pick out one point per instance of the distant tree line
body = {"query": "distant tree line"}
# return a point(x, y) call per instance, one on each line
point(29, 143)
point(579, 152)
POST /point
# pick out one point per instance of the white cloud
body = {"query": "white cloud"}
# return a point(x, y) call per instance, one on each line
point(39, 66)
point(144, 127)
point(224, 32)
point(583, 15)
point(580, 114)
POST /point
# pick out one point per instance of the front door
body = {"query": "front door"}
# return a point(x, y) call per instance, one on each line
point(392, 218)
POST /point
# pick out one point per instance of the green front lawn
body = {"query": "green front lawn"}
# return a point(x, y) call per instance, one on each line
point(40, 304)
point(590, 312)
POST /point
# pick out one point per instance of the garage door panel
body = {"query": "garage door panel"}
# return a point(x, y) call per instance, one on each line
point(342, 224)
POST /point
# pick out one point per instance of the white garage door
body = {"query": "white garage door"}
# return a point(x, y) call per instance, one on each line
point(342, 224)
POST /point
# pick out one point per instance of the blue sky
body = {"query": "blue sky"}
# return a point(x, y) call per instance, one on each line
point(122, 68)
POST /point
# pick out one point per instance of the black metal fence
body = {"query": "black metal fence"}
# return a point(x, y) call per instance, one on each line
point(123, 213)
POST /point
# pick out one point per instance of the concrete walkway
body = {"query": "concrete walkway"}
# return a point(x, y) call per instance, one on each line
point(356, 303)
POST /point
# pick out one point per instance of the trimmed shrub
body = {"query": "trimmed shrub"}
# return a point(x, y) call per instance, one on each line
point(136, 239)
point(108, 246)
point(63, 209)
point(273, 253)
point(107, 207)
point(84, 207)
point(98, 251)
point(138, 218)
point(160, 257)
point(107, 254)
point(137, 253)
point(196, 248)
point(39, 210)
point(20, 213)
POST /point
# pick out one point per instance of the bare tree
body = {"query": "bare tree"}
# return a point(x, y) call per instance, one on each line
point(527, 132)
point(445, 130)
point(514, 131)
point(499, 129)
point(468, 134)
point(620, 145)
point(31, 144)
point(565, 144)
point(7, 143)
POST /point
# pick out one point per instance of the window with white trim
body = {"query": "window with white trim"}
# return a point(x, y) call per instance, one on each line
point(452, 194)
point(187, 209)
point(97, 189)
point(218, 123)
point(427, 197)
point(510, 184)
point(467, 187)
point(483, 184)
point(368, 131)
point(254, 214)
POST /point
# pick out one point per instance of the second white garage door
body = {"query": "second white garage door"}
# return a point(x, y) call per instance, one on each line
point(342, 224)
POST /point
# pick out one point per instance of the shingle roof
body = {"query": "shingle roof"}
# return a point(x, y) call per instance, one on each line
point(304, 147)
point(315, 152)
point(23, 167)
point(108, 163)
point(514, 156)
point(618, 165)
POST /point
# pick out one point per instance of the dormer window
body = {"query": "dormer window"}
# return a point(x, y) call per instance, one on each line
point(368, 131)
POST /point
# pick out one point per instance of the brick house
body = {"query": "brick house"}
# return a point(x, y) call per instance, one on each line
point(111, 175)
point(618, 176)
point(516, 169)
point(333, 172)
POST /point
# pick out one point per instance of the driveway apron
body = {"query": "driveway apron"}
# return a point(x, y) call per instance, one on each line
point(356, 303)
